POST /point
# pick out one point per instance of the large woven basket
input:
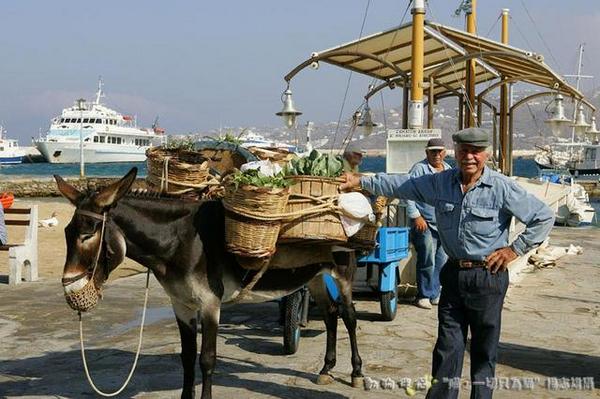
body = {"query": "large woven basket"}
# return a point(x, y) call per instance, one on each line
point(176, 171)
point(248, 230)
point(307, 192)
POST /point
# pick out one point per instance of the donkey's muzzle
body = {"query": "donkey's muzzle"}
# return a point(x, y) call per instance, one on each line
point(84, 299)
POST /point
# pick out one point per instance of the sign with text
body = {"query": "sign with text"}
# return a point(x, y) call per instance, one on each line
point(413, 134)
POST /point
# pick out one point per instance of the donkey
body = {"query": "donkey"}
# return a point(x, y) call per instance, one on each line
point(182, 243)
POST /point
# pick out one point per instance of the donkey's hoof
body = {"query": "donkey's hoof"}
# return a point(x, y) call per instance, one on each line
point(358, 382)
point(324, 379)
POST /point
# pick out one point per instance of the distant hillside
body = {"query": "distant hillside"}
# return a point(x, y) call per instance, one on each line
point(529, 127)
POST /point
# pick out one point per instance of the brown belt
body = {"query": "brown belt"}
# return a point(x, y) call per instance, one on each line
point(470, 264)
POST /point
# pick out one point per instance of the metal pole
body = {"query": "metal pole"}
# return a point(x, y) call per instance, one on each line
point(80, 103)
point(505, 154)
point(430, 104)
point(415, 119)
point(405, 97)
point(470, 68)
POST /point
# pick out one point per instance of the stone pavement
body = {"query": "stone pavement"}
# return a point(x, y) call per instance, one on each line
point(551, 328)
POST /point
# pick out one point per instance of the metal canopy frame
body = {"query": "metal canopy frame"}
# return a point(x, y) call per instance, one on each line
point(386, 56)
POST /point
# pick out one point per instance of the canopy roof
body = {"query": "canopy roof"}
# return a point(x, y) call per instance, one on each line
point(387, 56)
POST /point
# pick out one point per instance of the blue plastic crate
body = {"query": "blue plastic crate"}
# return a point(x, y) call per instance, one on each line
point(392, 245)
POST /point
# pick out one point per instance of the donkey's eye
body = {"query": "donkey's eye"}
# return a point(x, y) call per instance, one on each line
point(85, 237)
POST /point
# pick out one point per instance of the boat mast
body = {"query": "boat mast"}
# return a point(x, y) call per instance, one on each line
point(578, 78)
point(99, 93)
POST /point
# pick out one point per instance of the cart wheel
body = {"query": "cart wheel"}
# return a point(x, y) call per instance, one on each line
point(389, 305)
point(291, 323)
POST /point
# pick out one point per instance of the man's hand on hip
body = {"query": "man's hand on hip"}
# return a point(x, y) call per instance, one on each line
point(499, 259)
point(420, 224)
point(351, 181)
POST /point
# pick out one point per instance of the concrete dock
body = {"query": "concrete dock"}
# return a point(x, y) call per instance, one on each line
point(550, 338)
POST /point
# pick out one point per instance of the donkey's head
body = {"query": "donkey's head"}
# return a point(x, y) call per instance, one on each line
point(94, 246)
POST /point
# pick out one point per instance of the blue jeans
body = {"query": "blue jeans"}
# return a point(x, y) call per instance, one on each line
point(430, 259)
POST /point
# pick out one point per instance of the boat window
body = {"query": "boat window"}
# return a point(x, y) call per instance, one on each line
point(118, 140)
point(95, 139)
point(102, 139)
point(86, 120)
point(78, 120)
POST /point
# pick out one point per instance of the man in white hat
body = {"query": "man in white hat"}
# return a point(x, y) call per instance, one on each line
point(424, 234)
point(353, 155)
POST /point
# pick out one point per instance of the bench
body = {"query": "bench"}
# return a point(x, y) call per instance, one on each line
point(22, 258)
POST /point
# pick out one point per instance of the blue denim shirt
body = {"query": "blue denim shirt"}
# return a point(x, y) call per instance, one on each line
point(3, 234)
point(474, 224)
point(416, 209)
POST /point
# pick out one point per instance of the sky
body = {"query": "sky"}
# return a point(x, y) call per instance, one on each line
point(202, 65)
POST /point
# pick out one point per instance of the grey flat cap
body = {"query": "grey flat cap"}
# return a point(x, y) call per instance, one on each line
point(474, 136)
point(435, 144)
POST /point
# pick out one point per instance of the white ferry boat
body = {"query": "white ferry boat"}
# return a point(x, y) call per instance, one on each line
point(10, 153)
point(108, 136)
point(253, 139)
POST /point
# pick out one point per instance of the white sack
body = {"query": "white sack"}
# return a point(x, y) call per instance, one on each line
point(357, 210)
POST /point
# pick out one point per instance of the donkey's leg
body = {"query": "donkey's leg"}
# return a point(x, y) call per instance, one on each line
point(330, 312)
point(344, 275)
point(187, 321)
point(209, 314)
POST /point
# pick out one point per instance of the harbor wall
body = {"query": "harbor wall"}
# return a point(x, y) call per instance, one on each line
point(46, 187)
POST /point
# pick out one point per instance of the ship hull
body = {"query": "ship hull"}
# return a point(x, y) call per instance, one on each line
point(56, 152)
point(10, 160)
point(572, 171)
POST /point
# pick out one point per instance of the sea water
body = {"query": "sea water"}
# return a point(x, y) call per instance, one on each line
point(523, 167)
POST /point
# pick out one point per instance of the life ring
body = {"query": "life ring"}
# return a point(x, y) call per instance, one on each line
point(7, 200)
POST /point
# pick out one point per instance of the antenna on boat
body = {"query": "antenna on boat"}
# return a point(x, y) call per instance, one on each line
point(578, 117)
point(99, 93)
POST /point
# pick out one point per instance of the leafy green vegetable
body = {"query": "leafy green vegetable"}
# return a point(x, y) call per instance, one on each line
point(186, 144)
point(315, 164)
point(254, 178)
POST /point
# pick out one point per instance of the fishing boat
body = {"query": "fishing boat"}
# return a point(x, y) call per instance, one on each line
point(108, 136)
point(10, 153)
point(579, 158)
point(581, 154)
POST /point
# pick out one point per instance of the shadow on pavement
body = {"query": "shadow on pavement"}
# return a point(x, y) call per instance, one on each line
point(61, 374)
point(550, 363)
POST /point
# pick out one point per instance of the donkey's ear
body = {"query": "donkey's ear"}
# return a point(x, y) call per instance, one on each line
point(68, 191)
point(115, 191)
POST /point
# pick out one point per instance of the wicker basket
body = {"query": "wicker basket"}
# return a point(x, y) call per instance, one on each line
point(246, 232)
point(175, 171)
point(307, 192)
point(365, 238)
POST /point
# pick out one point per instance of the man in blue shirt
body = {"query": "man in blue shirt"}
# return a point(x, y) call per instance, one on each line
point(474, 206)
point(424, 234)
